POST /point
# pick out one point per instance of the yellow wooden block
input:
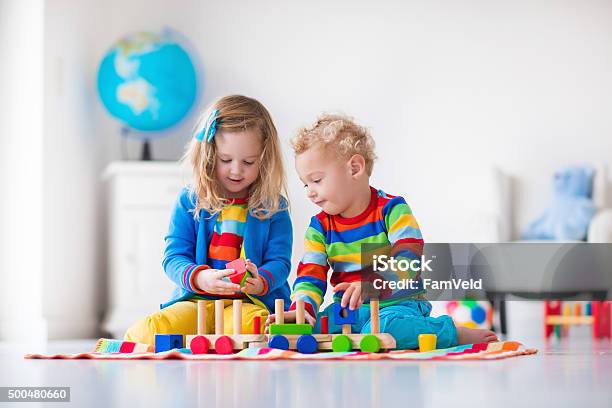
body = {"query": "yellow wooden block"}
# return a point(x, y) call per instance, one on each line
point(427, 342)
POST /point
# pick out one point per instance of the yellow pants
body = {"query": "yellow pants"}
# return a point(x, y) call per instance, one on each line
point(181, 318)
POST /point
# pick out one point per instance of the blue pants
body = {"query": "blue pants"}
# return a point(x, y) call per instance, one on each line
point(404, 321)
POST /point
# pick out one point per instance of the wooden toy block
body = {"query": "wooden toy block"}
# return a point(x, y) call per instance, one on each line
point(237, 316)
point(427, 342)
point(577, 309)
point(199, 345)
point(601, 315)
point(299, 311)
point(165, 342)
point(324, 325)
point(550, 308)
point(278, 342)
point(370, 343)
point(374, 316)
point(219, 306)
point(239, 265)
point(279, 311)
point(587, 309)
point(201, 317)
point(306, 344)
point(346, 329)
point(571, 320)
point(224, 345)
point(304, 328)
point(257, 325)
point(344, 315)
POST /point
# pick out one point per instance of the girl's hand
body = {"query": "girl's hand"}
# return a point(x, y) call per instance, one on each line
point(289, 318)
point(252, 285)
point(211, 281)
point(352, 294)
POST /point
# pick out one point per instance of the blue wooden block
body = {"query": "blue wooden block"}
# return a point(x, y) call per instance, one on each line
point(306, 344)
point(165, 342)
point(339, 319)
point(279, 342)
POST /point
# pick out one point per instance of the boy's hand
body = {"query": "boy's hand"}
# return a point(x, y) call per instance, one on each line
point(252, 285)
point(289, 318)
point(211, 281)
point(352, 294)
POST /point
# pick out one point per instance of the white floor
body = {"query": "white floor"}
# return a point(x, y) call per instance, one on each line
point(569, 374)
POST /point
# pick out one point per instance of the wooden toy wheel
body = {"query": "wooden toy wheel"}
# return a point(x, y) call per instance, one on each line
point(224, 345)
point(341, 343)
point(199, 345)
point(279, 342)
point(307, 344)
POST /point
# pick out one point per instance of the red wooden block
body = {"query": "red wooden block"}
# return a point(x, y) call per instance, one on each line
point(324, 325)
point(224, 345)
point(239, 265)
point(257, 325)
point(127, 347)
point(199, 345)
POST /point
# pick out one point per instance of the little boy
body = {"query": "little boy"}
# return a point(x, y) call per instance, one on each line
point(334, 160)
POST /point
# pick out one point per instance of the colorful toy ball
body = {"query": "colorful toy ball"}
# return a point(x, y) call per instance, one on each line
point(471, 313)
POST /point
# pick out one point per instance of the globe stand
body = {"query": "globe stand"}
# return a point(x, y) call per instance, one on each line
point(146, 151)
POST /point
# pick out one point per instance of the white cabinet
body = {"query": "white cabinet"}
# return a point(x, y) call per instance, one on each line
point(141, 197)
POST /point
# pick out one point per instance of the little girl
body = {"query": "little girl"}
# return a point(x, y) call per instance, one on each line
point(236, 207)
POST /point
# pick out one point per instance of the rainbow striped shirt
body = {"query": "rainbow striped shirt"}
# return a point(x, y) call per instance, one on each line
point(333, 241)
point(228, 234)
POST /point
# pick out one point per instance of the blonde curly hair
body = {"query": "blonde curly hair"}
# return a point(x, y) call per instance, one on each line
point(340, 133)
point(268, 194)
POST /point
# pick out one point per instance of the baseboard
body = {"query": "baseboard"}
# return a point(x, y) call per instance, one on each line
point(34, 330)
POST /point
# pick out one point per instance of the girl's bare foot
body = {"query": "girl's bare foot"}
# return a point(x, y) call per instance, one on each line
point(465, 335)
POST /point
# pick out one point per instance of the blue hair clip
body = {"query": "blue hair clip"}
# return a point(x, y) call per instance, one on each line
point(211, 126)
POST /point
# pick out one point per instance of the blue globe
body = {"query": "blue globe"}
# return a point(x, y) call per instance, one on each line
point(147, 81)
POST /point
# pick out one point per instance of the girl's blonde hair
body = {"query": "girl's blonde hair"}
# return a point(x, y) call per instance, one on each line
point(267, 195)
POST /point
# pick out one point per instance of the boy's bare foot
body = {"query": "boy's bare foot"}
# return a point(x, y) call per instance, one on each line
point(465, 335)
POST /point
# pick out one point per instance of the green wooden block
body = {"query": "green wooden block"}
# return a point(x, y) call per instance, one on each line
point(290, 328)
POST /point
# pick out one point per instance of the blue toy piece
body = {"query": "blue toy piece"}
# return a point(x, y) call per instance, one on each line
point(344, 315)
point(165, 342)
point(306, 344)
point(569, 214)
point(279, 342)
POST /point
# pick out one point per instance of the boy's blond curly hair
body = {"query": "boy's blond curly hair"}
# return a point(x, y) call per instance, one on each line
point(340, 133)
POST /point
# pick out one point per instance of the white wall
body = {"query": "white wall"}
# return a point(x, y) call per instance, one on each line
point(523, 85)
point(21, 172)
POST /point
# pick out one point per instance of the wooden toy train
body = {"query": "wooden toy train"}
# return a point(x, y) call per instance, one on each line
point(286, 336)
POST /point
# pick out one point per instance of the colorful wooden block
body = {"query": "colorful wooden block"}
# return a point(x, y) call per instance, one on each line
point(324, 325)
point(240, 275)
point(344, 315)
point(239, 265)
point(165, 342)
point(427, 342)
point(289, 328)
